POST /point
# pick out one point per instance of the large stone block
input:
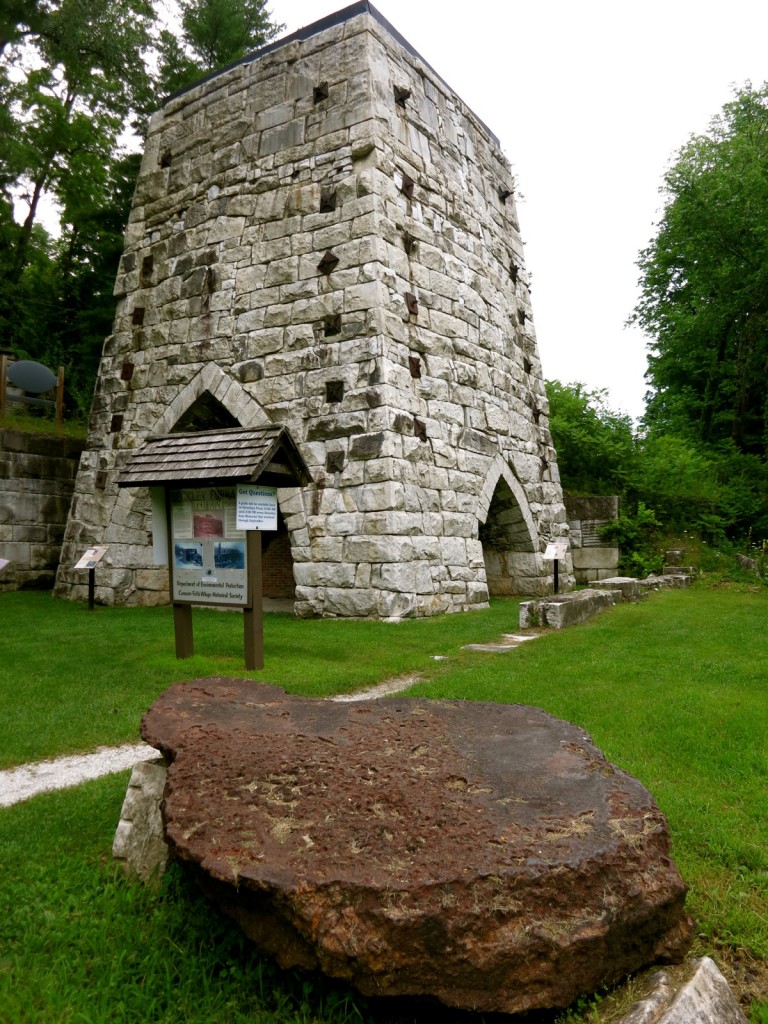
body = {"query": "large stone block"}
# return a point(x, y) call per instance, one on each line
point(139, 843)
point(566, 609)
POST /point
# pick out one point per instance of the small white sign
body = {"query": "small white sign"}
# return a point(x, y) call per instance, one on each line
point(256, 507)
point(4, 562)
point(92, 557)
point(556, 550)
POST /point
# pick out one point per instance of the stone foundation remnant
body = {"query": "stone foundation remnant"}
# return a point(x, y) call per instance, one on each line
point(325, 237)
point(594, 557)
point(567, 609)
point(486, 855)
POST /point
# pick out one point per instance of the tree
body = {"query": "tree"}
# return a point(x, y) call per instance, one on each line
point(214, 33)
point(704, 284)
point(72, 77)
point(664, 480)
point(595, 445)
point(77, 77)
point(19, 19)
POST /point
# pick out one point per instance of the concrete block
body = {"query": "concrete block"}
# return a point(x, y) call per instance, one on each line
point(627, 586)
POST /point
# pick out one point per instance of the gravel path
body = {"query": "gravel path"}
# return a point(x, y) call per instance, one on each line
point(30, 779)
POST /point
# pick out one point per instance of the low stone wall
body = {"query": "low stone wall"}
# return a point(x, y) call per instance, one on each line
point(37, 478)
point(566, 609)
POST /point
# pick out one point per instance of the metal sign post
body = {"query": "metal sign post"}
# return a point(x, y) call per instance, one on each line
point(89, 561)
point(556, 550)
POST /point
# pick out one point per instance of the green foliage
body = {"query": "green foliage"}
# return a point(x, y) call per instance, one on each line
point(704, 280)
point(595, 445)
point(715, 491)
point(74, 76)
point(712, 490)
point(636, 535)
point(71, 79)
point(214, 33)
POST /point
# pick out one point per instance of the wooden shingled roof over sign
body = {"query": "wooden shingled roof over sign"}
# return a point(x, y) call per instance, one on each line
point(218, 458)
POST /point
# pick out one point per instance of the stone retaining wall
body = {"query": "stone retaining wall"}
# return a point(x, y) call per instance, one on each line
point(37, 477)
point(326, 237)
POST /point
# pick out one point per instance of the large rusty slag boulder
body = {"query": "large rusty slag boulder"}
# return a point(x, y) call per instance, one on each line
point(484, 854)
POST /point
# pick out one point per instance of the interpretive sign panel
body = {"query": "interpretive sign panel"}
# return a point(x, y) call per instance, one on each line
point(256, 507)
point(208, 547)
point(91, 558)
point(556, 549)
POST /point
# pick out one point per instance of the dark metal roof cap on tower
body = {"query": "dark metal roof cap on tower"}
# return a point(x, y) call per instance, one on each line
point(337, 18)
point(218, 457)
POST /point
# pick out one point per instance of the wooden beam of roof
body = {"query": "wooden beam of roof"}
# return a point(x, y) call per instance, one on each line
point(220, 457)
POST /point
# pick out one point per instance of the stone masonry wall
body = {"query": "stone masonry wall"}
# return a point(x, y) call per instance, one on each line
point(594, 558)
point(37, 477)
point(326, 237)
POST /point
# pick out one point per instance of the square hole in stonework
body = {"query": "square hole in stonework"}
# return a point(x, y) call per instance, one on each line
point(147, 266)
point(334, 390)
point(332, 325)
point(327, 200)
point(334, 462)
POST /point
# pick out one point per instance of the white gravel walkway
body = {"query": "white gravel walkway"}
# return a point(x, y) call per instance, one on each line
point(21, 783)
point(28, 780)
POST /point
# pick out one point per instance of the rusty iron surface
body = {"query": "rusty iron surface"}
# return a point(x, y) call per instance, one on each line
point(484, 854)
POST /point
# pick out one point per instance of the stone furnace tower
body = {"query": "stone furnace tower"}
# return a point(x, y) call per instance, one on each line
point(324, 237)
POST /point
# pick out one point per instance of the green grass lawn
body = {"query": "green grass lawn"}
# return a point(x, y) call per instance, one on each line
point(674, 690)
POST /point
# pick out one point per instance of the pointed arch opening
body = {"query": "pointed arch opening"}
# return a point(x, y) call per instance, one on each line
point(508, 535)
point(205, 413)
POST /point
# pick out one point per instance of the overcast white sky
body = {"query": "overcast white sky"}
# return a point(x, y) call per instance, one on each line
point(590, 101)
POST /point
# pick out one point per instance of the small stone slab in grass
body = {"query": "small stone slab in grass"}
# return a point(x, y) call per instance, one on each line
point(486, 855)
point(700, 996)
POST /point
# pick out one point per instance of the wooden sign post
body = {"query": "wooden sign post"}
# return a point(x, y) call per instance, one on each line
point(219, 491)
point(214, 554)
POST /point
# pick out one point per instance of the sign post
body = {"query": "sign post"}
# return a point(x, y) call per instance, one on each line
point(213, 492)
point(556, 550)
point(89, 561)
point(253, 617)
point(215, 557)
